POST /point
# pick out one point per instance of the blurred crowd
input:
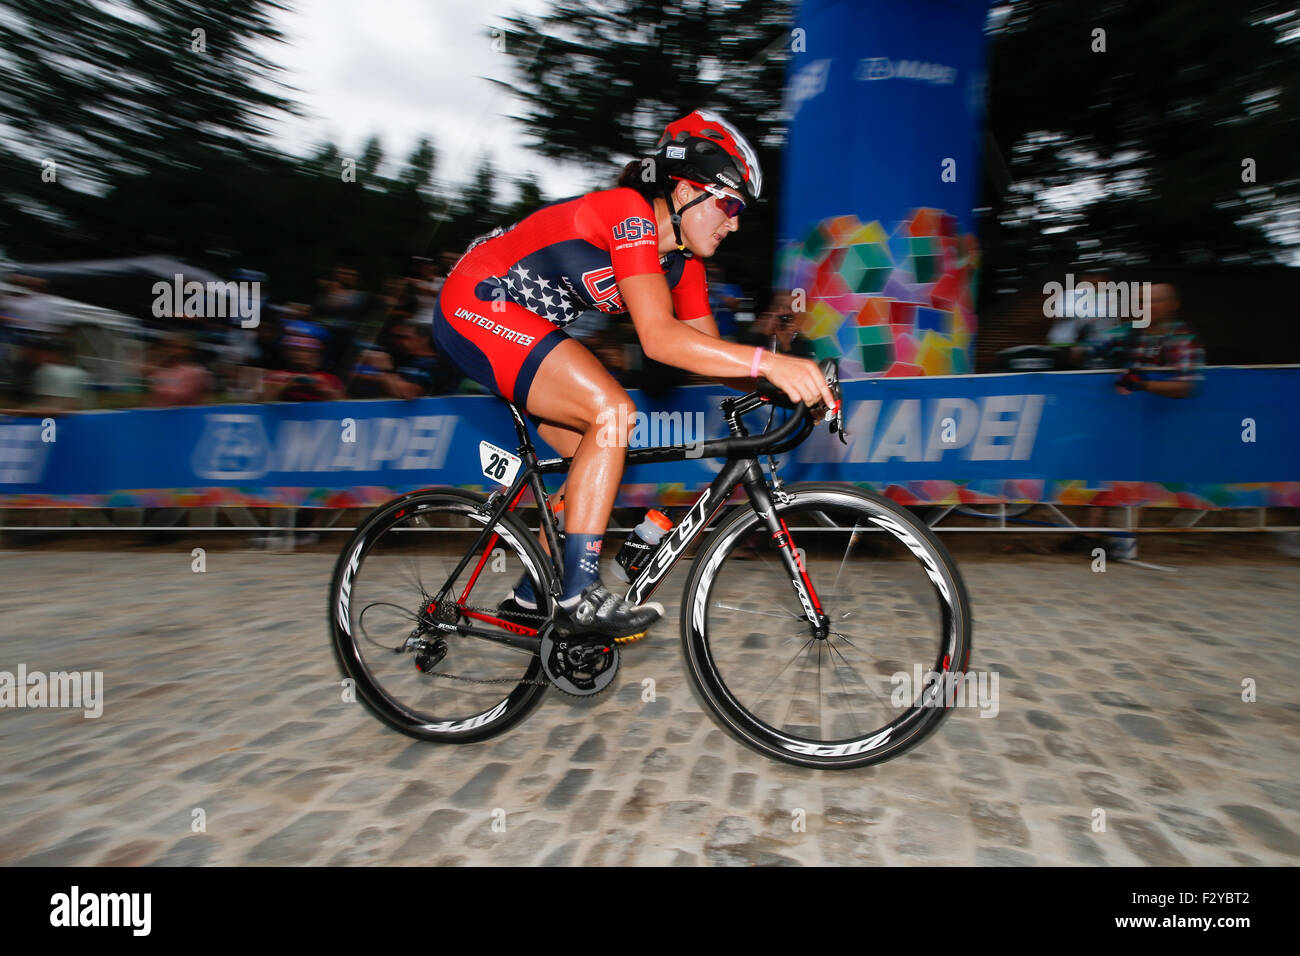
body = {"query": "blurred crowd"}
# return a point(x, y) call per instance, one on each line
point(347, 343)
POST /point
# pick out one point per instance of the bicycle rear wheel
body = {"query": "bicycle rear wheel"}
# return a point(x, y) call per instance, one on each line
point(426, 682)
point(899, 630)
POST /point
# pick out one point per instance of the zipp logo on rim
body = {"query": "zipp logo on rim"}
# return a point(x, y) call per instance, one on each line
point(931, 569)
point(345, 588)
point(840, 750)
point(469, 723)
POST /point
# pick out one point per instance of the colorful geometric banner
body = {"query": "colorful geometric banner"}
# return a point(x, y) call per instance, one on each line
point(881, 171)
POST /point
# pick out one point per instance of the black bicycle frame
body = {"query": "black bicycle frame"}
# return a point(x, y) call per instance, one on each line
point(742, 468)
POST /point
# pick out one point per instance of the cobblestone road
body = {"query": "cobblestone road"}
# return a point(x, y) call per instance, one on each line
point(224, 737)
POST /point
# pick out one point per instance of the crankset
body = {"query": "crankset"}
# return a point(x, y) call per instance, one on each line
point(580, 666)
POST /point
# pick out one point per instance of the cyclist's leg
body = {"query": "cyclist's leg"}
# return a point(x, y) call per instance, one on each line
point(521, 356)
point(565, 442)
point(572, 390)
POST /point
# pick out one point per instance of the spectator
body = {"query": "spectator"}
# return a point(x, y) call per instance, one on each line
point(303, 380)
point(12, 348)
point(1166, 343)
point(268, 354)
point(340, 308)
point(724, 299)
point(176, 378)
point(777, 328)
point(422, 289)
point(405, 369)
point(31, 320)
point(761, 331)
point(58, 382)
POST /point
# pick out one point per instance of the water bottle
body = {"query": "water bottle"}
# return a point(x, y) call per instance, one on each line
point(641, 544)
point(557, 512)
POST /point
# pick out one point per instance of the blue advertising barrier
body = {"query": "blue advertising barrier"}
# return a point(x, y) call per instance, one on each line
point(1063, 437)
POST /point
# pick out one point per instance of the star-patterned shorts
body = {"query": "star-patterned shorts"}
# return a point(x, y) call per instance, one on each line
point(495, 341)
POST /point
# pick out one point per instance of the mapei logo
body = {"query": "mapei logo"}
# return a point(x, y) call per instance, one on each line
point(875, 68)
point(22, 453)
point(633, 227)
point(883, 68)
point(807, 83)
point(232, 447)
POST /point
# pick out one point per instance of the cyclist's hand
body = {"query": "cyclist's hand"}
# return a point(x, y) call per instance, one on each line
point(800, 379)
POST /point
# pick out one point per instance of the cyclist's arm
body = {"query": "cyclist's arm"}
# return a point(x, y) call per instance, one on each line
point(684, 345)
point(706, 324)
point(709, 326)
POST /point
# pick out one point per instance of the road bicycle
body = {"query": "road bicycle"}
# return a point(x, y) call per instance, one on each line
point(822, 624)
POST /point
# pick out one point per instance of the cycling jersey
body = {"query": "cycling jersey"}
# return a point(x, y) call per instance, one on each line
point(504, 306)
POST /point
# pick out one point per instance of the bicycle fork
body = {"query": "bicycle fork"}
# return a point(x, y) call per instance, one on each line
point(761, 498)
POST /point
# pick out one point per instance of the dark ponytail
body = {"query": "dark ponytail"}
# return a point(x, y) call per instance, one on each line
point(631, 178)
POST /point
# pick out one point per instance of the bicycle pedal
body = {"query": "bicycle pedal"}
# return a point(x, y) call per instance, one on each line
point(631, 638)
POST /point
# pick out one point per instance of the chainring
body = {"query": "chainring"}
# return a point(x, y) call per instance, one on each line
point(578, 667)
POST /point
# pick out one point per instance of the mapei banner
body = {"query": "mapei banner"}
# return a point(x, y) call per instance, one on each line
point(881, 173)
point(1062, 437)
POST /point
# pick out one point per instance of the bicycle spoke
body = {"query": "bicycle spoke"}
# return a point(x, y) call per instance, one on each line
point(853, 714)
point(746, 610)
point(853, 539)
point(763, 696)
point(865, 684)
point(819, 685)
point(793, 697)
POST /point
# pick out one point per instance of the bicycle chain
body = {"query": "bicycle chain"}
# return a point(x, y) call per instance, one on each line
point(491, 612)
point(541, 619)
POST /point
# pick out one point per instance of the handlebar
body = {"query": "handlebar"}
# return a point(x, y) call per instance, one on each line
point(784, 438)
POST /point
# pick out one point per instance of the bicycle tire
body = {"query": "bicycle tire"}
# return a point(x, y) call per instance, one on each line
point(347, 632)
point(711, 659)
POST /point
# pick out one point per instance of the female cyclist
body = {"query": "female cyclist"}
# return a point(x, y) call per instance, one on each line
point(635, 249)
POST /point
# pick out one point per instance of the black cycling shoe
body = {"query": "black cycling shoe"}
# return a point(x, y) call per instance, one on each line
point(601, 613)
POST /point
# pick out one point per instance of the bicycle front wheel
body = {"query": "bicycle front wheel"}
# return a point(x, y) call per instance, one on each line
point(425, 681)
point(884, 674)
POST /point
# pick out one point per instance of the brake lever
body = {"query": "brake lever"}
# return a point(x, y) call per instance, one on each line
point(835, 415)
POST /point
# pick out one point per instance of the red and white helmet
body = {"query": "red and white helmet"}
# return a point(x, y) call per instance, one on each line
point(704, 148)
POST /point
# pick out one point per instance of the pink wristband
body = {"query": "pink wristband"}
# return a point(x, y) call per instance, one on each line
point(753, 366)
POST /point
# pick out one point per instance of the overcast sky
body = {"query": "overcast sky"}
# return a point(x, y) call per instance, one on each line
point(402, 69)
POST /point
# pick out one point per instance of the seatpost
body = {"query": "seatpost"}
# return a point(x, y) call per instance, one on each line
point(521, 429)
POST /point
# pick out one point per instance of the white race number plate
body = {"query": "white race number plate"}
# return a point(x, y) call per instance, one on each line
point(497, 463)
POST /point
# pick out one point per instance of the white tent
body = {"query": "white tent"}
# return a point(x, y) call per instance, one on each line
point(111, 342)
